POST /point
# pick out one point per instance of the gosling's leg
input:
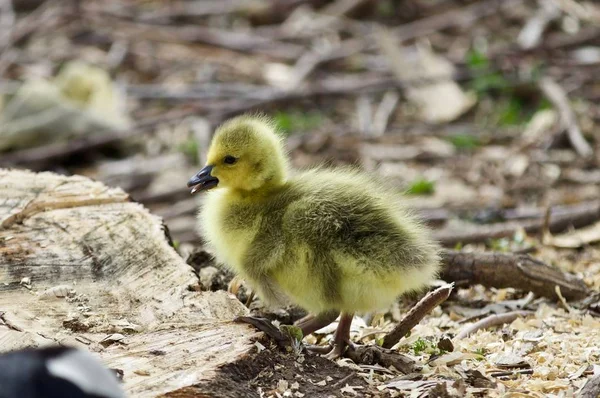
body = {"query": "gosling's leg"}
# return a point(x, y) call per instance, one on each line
point(311, 323)
point(341, 339)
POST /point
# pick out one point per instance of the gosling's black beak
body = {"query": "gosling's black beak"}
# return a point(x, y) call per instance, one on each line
point(203, 180)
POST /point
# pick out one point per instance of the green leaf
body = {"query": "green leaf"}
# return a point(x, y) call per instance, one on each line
point(476, 59)
point(294, 332)
point(464, 141)
point(421, 187)
point(419, 346)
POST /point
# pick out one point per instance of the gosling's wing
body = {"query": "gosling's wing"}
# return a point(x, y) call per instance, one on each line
point(347, 219)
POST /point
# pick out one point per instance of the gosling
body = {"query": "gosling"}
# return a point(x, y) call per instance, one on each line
point(335, 242)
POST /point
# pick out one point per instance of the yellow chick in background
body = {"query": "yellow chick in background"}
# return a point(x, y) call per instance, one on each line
point(92, 88)
point(80, 101)
point(335, 242)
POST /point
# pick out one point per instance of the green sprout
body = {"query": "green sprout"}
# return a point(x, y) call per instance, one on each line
point(421, 186)
point(464, 141)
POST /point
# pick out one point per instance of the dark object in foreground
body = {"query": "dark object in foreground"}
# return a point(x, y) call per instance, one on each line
point(55, 372)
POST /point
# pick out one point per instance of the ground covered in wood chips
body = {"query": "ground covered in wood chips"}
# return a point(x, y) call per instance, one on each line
point(271, 372)
point(485, 112)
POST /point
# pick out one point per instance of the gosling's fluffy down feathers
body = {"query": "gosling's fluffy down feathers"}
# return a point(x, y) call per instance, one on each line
point(329, 240)
point(323, 239)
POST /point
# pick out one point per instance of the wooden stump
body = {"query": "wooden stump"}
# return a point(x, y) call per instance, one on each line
point(82, 265)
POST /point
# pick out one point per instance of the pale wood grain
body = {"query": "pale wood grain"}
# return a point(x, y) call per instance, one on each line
point(125, 276)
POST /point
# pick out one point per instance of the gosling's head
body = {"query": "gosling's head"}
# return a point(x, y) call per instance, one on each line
point(245, 154)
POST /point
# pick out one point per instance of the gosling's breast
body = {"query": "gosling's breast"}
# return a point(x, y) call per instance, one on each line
point(228, 228)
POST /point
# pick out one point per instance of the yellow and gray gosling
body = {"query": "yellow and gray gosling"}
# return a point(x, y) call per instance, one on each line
point(334, 242)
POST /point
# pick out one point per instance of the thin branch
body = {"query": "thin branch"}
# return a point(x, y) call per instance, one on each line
point(558, 97)
point(414, 316)
point(561, 218)
point(232, 40)
point(492, 320)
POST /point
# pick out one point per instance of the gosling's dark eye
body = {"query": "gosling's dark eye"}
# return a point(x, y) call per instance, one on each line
point(229, 159)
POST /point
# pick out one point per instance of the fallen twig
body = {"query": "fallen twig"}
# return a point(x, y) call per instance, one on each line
point(384, 111)
point(232, 40)
point(512, 373)
point(561, 218)
point(414, 316)
point(492, 320)
point(509, 270)
point(558, 97)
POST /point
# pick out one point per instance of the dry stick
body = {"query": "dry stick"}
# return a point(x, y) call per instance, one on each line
point(512, 373)
point(518, 271)
point(232, 40)
point(558, 97)
point(562, 40)
point(562, 217)
point(181, 9)
point(591, 389)
point(385, 109)
point(578, 214)
point(190, 9)
point(414, 316)
point(492, 320)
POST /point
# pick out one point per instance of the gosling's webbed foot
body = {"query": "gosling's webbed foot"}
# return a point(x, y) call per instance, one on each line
point(336, 352)
point(265, 325)
point(330, 351)
point(341, 340)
